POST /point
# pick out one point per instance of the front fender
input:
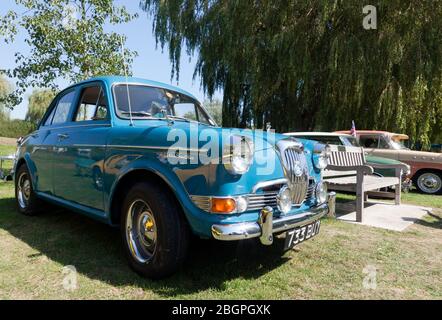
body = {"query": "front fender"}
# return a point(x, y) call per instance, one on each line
point(118, 167)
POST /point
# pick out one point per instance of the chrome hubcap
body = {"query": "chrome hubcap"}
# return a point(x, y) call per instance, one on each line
point(24, 190)
point(429, 183)
point(141, 231)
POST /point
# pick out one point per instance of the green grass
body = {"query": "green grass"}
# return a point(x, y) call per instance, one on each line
point(34, 251)
point(5, 151)
point(407, 197)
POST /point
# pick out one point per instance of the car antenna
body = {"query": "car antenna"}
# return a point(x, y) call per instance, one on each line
point(127, 82)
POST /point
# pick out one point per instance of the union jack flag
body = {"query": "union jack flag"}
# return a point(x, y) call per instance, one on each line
point(353, 129)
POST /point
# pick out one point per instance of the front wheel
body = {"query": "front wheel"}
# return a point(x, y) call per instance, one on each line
point(429, 182)
point(154, 232)
point(26, 199)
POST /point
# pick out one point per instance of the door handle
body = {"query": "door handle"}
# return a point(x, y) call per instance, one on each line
point(62, 136)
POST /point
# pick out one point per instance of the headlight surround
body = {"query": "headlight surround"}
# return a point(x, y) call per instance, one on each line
point(238, 155)
point(284, 200)
point(321, 193)
point(321, 156)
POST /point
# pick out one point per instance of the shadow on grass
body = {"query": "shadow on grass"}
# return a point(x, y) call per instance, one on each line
point(95, 250)
point(433, 221)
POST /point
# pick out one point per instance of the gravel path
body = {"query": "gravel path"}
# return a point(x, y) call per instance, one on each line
point(8, 141)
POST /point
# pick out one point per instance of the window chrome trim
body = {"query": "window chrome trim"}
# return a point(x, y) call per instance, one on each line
point(157, 148)
point(76, 126)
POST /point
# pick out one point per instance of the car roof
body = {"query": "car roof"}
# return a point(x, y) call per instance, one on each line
point(316, 134)
point(392, 134)
point(110, 80)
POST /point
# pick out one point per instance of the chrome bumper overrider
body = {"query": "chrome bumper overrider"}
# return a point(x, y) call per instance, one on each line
point(266, 225)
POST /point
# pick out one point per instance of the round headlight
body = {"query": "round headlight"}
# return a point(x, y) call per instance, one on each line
point(321, 192)
point(321, 162)
point(322, 154)
point(284, 200)
point(238, 155)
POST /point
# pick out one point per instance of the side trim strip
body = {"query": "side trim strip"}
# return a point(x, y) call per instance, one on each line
point(156, 148)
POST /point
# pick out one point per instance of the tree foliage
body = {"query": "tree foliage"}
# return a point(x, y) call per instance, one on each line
point(5, 89)
point(38, 103)
point(310, 65)
point(215, 109)
point(67, 40)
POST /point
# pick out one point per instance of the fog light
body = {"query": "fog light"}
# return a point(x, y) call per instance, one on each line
point(284, 200)
point(223, 205)
point(321, 192)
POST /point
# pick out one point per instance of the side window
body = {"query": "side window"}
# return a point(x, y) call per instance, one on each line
point(63, 107)
point(49, 119)
point(92, 105)
point(202, 116)
point(383, 144)
point(185, 110)
point(369, 142)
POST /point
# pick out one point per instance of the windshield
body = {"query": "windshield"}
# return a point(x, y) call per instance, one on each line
point(398, 145)
point(349, 141)
point(157, 103)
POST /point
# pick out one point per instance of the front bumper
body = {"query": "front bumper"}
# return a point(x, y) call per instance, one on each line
point(266, 226)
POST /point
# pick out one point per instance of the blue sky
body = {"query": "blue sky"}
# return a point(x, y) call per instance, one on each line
point(151, 63)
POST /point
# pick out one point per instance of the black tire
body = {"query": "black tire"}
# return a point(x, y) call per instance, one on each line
point(429, 174)
point(168, 224)
point(27, 201)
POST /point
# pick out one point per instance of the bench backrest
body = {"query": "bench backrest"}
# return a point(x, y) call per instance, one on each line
point(342, 156)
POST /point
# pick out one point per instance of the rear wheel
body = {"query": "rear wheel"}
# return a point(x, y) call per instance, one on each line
point(26, 199)
point(429, 182)
point(154, 232)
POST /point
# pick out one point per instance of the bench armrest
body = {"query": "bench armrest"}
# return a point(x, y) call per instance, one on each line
point(401, 166)
point(362, 169)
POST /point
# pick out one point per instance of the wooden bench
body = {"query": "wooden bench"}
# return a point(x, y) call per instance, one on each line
point(348, 171)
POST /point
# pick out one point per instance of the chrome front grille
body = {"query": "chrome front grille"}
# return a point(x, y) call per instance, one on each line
point(259, 201)
point(202, 202)
point(311, 190)
point(294, 162)
point(297, 174)
point(256, 201)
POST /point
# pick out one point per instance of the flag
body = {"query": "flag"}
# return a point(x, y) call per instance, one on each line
point(353, 129)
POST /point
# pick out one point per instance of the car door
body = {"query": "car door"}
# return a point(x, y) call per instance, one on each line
point(78, 169)
point(42, 142)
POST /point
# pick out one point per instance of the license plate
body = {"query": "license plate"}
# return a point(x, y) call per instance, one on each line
point(298, 235)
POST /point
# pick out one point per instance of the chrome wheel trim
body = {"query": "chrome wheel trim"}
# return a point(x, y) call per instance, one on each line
point(429, 182)
point(141, 231)
point(24, 190)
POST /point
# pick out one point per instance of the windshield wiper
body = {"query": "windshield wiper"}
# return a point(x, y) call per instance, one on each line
point(181, 118)
point(137, 113)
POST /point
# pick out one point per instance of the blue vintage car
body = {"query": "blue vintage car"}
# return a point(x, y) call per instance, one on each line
point(147, 157)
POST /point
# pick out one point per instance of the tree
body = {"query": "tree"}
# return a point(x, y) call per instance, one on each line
point(5, 89)
point(39, 101)
point(67, 40)
point(311, 65)
point(215, 109)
